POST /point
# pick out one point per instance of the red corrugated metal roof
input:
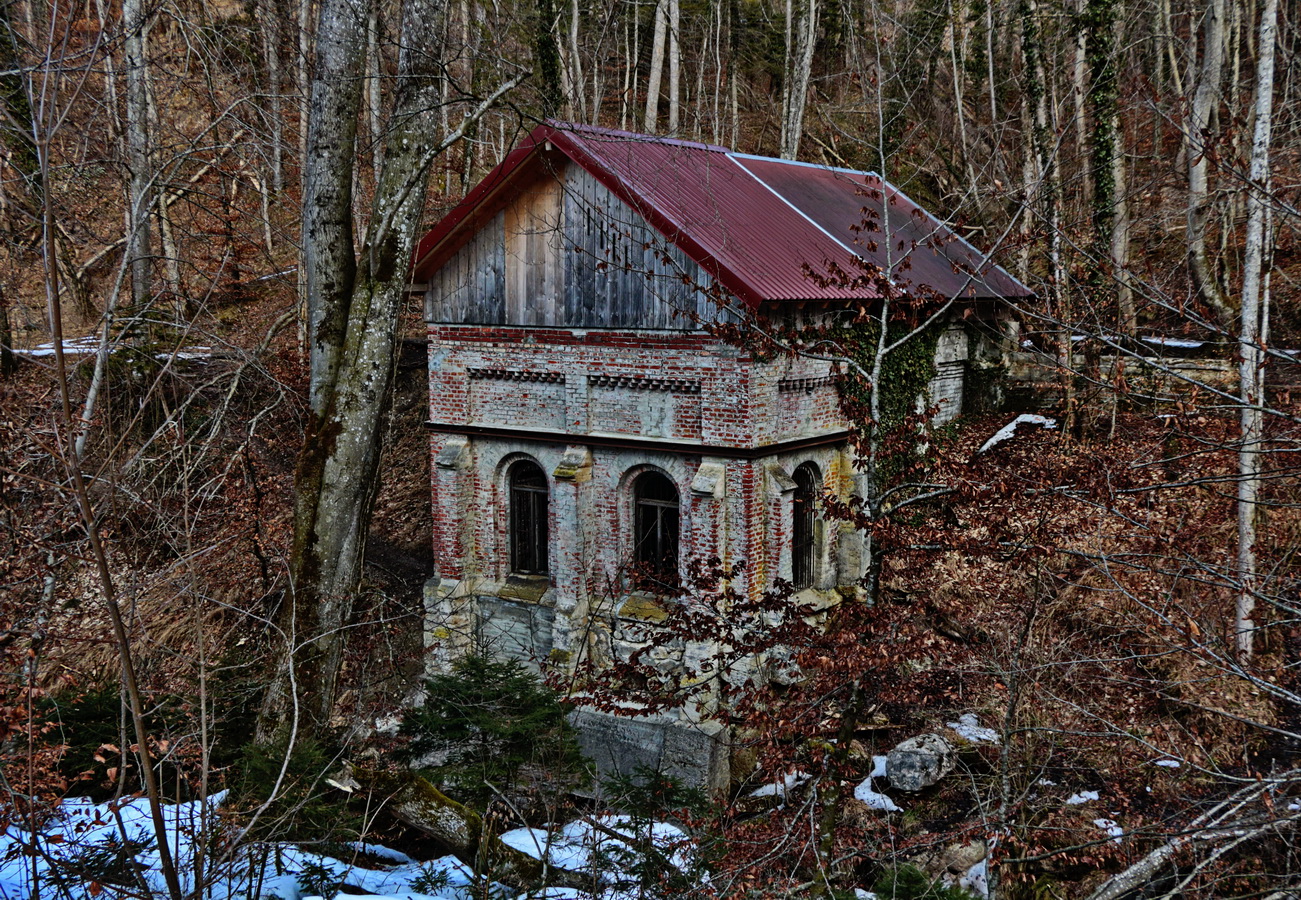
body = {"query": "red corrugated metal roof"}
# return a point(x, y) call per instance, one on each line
point(758, 225)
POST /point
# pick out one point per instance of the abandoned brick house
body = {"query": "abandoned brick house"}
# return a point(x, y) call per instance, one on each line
point(585, 422)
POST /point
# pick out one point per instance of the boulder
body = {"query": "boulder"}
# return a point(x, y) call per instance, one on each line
point(919, 762)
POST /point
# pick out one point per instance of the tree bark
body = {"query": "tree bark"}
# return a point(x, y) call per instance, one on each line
point(799, 69)
point(1254, 333)
point(1197, 134)
point(656, 67)
point(140, 190)
point(355, 301)
point(675, 65)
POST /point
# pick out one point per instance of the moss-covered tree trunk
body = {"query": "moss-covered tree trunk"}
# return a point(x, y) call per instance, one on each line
point(354, 300)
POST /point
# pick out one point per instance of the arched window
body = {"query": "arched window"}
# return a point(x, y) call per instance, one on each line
point(528, 519)
point(808, 482)
point(655, 529)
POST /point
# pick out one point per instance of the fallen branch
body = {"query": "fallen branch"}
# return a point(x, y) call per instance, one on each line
point(414, 801)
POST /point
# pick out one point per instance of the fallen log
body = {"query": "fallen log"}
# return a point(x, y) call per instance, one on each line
point(416, 802)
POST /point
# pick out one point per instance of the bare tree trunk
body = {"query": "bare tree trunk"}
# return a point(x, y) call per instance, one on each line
point(1205, 101)
point(675, 65)
point(269, 21)
point(631, 42)
point(354, 317)
point(956, 61)
point(374, 67)
point(1048, 196)
point(656, 67)
point(1254, 332)
point(141, 188)
point(1120, 245)
point(577, 101)
point(1079, 91)
point(799, 69)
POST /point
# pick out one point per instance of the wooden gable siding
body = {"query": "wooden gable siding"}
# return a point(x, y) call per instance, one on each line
point(568, 253)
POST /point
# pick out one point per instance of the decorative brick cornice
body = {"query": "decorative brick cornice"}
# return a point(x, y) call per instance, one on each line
point(805, 384)
point(510, 375)
point(642, 383)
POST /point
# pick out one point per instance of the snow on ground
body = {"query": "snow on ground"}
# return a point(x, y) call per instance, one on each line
point(1008, 431)
point(1110, 827)
point(88, 851)
point(977, 879)
point(1081, 797)
point(969, 728)
point(1168, 763)
point(89, 346)
point(85, 346)
point(875, 800)
point(789, 782)
point(1181, 343)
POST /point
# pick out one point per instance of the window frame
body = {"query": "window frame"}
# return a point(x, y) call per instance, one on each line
point(804, 525)
point(657, 561)
point(528, 511)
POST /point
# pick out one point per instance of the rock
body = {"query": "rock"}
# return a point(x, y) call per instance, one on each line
point(919, 762)
point(953, 862)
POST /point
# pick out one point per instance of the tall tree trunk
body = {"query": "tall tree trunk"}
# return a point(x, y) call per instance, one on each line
point(1048, 198)
point(656, 66)
point(1110, 229)
point(577, 101)
point(268, 12)
point(546, 55)
point(1200, 145)
point(675, 65)
point(1254, 332)
point(354, 317)
point(799, 69)
point(140, 190)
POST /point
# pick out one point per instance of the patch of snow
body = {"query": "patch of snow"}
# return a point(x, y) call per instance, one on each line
point(864, 794)
point(969, 728)
point(1182, 343)
point(878, 767)
point(85, 346)
point(790, 781)
point(1009, 430)
point(379, 851)
point(533, 841)
point(977, 879)
point(1081, 797)
point(860, 894)
point(78, 827)
point(1110, 827)
point(1168, 763)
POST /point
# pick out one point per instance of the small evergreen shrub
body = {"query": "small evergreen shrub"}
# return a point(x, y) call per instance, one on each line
point(304, 807)
point(492, 727)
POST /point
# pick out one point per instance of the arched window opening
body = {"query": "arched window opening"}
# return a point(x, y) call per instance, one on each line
point(808, 481)
point(528, 519)
point(655, 530)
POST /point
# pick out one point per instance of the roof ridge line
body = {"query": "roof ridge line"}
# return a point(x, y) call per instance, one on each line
point(597, 131)
point(852, 252)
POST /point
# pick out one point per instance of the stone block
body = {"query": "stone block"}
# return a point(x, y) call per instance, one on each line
point(696, 753)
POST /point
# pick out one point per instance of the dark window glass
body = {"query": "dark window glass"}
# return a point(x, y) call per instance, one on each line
point(808, 481)
point(655, 528)
point(528, 519)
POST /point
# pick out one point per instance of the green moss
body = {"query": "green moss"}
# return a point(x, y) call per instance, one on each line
point(644, 608)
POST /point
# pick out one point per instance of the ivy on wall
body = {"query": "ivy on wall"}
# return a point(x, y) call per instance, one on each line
point(905, 372)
